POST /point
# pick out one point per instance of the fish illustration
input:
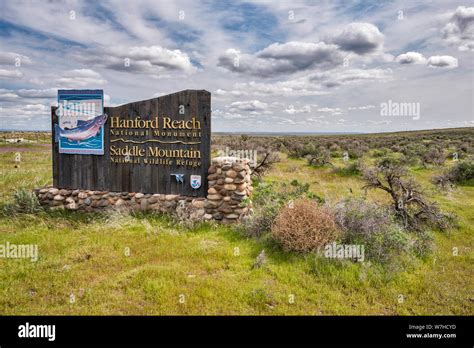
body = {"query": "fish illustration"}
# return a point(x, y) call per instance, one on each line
point(83, 131)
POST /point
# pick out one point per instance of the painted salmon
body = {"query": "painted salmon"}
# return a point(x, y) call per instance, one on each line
point(83, 131)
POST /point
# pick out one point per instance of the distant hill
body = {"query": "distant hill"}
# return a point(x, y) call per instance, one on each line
point(269, 134)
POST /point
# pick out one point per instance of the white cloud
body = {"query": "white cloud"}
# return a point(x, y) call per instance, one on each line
point(249, 105)
point(278, 59)
point(411, 58)
point(433, 62)
point(33, 113)
point(10, 74)
point(350, 76)
point(80, 78)
point(221, 114)
point(443, 62)
point(360, 38)
point(330, 110)
point(13, 59)
point(380, 122)
point(142, 59)
point(309, 85)
point(7, 95)
point(296, 87)
point(460, 28)
point(28, 96)
point(303, 55)
point(303, 110)
point(363, 107)
point(37, 93)
point(33, 109)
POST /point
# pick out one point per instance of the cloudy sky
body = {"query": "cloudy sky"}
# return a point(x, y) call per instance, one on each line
point(291, 66)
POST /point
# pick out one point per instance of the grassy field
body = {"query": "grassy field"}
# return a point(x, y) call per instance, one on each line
point(146, 264)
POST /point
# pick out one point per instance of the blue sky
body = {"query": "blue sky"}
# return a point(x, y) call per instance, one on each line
point(302, 66)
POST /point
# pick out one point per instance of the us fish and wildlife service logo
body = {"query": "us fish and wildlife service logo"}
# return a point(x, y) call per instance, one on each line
point(195, 181)
point(179, 178)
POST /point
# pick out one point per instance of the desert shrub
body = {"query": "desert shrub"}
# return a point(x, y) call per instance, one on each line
point(265, 163)
point(24, 201)
point(294, 149)
point(422, 243)
point(309, 148)
point(257, 224)
point(461, 173)
point(374, 227)
point(465, 147)
point(355, 152)
point(267, 201)
point(356, 149)
point(350, 169)
point(409, 159)
point(185, 215)
point(394, 148)
point(415, 144)
point(304, 226)
point(266, 193)
point(380, 152)
point(412, 152)
point(408, 200)
point(319, 157)
point(434, 156)
point(335, 150)
point(300, 149)
point(443, 180)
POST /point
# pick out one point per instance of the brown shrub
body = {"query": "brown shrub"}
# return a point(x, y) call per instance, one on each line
point(304, 226)
point(434, 156)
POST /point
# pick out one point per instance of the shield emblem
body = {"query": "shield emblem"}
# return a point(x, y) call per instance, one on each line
point(195, 181)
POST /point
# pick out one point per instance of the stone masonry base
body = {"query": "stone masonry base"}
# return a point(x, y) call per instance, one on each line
point(227, 199)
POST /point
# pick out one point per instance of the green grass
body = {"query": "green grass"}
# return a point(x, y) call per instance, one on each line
point(85, 255)
point(34, 170)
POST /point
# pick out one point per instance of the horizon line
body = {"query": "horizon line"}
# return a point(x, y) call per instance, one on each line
point(283, 132)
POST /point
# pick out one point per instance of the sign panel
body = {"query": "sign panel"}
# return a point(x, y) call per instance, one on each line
point(80, 122)
point(160, 145)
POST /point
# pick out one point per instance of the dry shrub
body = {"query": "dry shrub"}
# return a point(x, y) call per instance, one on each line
point(461, 173)
point(304, 226)
point(408, 199)
point(434, 156)
point(373, 226)
point(268, 198)
point(186, 216)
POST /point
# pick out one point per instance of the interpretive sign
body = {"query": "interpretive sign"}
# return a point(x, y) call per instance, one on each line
point(160, 145)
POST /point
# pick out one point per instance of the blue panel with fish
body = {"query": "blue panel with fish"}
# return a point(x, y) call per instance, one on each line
point(81, 119)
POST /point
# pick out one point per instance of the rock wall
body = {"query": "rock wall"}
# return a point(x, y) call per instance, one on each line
point(229, 189)
point(227, 200)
